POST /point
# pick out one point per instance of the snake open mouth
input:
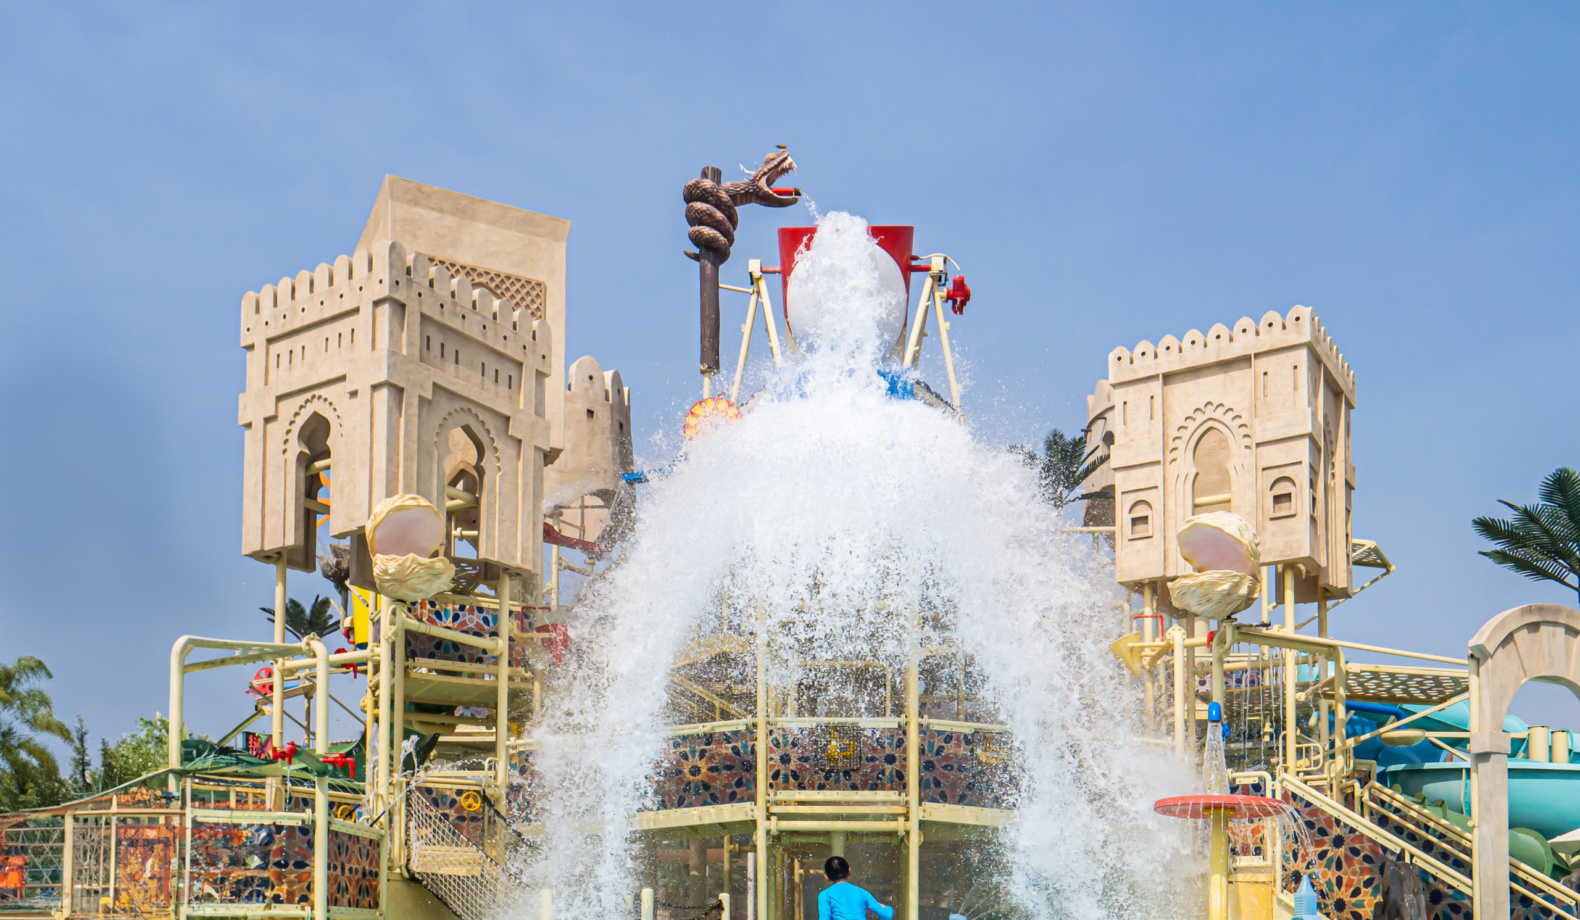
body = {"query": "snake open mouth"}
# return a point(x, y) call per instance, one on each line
point(760, 187)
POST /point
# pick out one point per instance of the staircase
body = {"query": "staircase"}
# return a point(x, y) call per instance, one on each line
point(1411, 821)
point(1350, 846)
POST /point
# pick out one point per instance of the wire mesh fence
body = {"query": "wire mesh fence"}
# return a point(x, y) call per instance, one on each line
point(462, 862)
point(32, 852)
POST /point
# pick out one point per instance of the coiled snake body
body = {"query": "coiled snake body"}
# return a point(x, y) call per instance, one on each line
point(711, 206)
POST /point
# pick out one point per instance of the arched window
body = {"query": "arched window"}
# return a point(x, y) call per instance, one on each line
point(1211, 458)
point(1140, 518)
point(312, 459)
point(463, 478)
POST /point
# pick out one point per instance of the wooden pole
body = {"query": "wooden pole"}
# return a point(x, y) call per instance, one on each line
point(708, 278)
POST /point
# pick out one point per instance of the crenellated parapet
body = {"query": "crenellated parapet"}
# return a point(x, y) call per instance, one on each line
point(1299, 328)
point(392, 376)
point(585, 481)
point(1253, 419)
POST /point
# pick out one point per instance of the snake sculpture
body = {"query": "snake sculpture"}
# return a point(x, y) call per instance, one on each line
point(711, 206)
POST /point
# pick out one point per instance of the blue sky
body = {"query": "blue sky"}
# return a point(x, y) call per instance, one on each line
point(1106, 172)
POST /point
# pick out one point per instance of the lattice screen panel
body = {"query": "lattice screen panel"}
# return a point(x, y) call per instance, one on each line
point(524, 293)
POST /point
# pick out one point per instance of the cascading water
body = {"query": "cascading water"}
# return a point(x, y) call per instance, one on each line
point(848, 525)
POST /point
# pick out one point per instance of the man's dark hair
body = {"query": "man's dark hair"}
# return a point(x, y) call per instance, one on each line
point(836, 868)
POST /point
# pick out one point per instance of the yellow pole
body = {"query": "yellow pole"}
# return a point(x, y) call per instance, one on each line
point(1290, 713)
point(1190, 621)
point(277, 698)
point(502, 704)
point(386, 685)
point(1267, 604)
point(727, 875)
point(1218, 895)
point(397, 820)
point(1322, 701)
point(1178, 635)
point(1219, 648)
point(320, 783)
point(1147, 609)
point(913, 776)
point(761, 838)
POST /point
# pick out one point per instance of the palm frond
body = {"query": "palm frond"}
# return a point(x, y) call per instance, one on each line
point(1539, 541)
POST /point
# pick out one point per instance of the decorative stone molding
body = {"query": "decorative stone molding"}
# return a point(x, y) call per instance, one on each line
point(1533, 642)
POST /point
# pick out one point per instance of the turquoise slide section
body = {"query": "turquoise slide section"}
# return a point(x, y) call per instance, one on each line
point(1544, 797)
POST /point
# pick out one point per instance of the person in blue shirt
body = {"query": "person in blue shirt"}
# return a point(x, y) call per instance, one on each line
point(845, 900)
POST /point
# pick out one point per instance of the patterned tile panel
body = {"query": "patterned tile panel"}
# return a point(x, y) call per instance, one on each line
point(1521, 907)
point(145, 860)
point(712, 768)
point(520, 805)
point(1346, 869)
point(966, 768)
point(474, 621)
point(836, 757)
point(353, 870)
point(251, 864)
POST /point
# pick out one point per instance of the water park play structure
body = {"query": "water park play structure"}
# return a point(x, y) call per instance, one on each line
point(572, 704)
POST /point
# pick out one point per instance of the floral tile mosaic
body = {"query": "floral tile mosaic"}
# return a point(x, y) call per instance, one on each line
point(711, 768)
point(966, 768)
point(474, 621)
point(469, 822)
point(836, 757)
point(145, 860)
point(251, 864)
point(353, 870)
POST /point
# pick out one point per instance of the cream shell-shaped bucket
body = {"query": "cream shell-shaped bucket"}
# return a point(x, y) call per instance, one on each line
point(403, 533)
point(1220, 540)
point(1222, 548)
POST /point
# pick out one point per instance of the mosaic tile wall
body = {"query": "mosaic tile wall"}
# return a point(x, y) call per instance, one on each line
point(453, 804)
point(1348, 870)
point(836, 757)
point(145, 862)
point(719, 768)
point(713, 768)
point(474, 621)
point(520, 805)
point(353, 870)
point(264, 863)
point(965, 768)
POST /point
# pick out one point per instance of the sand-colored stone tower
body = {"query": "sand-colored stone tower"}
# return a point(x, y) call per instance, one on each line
point(1253, 420)
point(427, 362)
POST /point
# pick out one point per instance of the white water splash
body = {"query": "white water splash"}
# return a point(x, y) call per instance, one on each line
point(834, 512)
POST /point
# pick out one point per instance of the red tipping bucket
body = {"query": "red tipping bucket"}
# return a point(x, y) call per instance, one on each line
point(897, 241)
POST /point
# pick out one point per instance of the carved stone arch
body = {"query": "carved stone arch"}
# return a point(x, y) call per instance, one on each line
point(1533, 642)
point(1187, 436)
point(472, 463)
point(319, 404)
point(313, 433)
point(465, 416)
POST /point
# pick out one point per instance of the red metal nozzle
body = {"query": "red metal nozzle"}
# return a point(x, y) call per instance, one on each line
point(959, 295)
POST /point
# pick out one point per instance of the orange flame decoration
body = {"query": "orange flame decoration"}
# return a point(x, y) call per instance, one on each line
point(707, 415)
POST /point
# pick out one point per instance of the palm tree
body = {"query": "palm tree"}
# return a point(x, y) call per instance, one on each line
point(1065, 463)
point(26, 716)
point(1541, 541)
point(302, 622)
